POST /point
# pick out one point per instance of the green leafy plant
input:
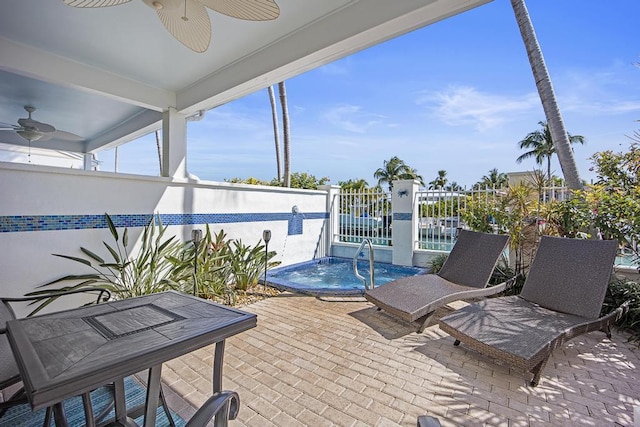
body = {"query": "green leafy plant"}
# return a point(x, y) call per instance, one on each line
point(212, 275)
point(620, 291)
point(247, 263)
point(437, 262)
point(123, 275)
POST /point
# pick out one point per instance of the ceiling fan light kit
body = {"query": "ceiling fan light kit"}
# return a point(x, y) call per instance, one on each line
point(30, 134)
point(188, 20)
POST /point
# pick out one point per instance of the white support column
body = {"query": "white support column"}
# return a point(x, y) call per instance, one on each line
point(87, 159)
point(174, 144)
point(333, 209)
point(405, 221)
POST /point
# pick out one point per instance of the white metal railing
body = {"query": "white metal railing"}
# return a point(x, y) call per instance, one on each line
point(365, 214)
point(439, 212)
point(365, 242)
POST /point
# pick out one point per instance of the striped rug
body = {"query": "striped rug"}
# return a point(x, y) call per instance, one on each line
point(22, 416)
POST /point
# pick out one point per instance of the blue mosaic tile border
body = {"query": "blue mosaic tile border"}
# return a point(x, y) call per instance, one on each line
point(402, 216)
point(27, 223)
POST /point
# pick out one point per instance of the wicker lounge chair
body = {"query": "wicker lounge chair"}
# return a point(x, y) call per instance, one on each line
point(465, 274)
point(561, 299)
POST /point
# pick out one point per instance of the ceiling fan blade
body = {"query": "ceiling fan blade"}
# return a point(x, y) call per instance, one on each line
point(190, 25)
point(8, 126)
point(250, 10)
point(65, 136)
point(39, 126)
point(94, 3)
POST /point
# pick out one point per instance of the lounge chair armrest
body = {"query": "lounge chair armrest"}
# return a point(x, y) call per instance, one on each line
point(213, 405)
point(507, 284)
point(616, 314)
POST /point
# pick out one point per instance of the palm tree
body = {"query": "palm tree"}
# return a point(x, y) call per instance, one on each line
point(453, 186)
point(411, 173)
point(276, 131)
point(285, 135)
point(389, 172)
point(158, 147)
point(395, 169)
point(559, 134)
point(440, 181)
point(540, 143)
point(353, 184)
point(495, 179)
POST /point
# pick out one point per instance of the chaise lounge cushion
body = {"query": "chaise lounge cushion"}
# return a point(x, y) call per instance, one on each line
point(473, 258)
point(465, 274)
point(561, 299)
point(511, 329)
point(561, 281)
point(413, 297)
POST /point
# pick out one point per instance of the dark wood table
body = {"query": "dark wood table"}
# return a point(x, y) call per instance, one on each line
point(71, 352)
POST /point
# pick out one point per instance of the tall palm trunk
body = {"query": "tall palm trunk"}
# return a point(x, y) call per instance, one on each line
point(159, 147)
point(547, 96)
point(285, 134)
point(276, 131)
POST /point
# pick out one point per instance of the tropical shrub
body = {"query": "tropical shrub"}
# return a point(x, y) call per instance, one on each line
point(125, 277)
point(436, 263)
point(163, 263)
point(620, 291)
point(211, 273)
point(247, 264)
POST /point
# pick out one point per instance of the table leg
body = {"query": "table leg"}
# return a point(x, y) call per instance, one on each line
point(153, 391)
point(221, 418)
point(217, 366)
point(59, 416)
point(120, 404)
point(88, 410)
point(119, 401)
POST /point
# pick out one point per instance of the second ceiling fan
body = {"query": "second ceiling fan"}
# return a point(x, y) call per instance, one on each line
point(188, 20)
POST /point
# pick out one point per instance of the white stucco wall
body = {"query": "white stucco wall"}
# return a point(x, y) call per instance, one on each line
point(26, 190)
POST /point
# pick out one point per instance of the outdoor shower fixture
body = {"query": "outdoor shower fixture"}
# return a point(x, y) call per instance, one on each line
point(266, 236)
point(196, 238)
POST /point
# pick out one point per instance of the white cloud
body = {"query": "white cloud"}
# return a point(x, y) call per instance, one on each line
point(465, 106)
point(351, 118)
point(597, 93)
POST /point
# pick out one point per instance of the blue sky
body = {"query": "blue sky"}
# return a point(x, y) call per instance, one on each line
point(457, 95)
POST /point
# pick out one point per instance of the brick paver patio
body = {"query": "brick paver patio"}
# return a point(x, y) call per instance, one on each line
point(313, 362)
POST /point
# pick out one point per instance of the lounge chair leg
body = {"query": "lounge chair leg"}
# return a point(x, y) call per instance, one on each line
point(537, 372)
point(426, 322)
point(607, 331)
point(456, 343)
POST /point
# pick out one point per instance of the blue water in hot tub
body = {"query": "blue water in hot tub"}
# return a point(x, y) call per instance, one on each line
point(334, 276)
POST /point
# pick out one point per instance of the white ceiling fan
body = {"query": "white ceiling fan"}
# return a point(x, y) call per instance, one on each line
point(33, 130)
point(188, 20)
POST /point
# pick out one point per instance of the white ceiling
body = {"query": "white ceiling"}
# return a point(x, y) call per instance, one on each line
point(106, 74)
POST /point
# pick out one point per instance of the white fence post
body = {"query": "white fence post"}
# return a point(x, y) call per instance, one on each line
point(333, 211)
point(405, 221)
